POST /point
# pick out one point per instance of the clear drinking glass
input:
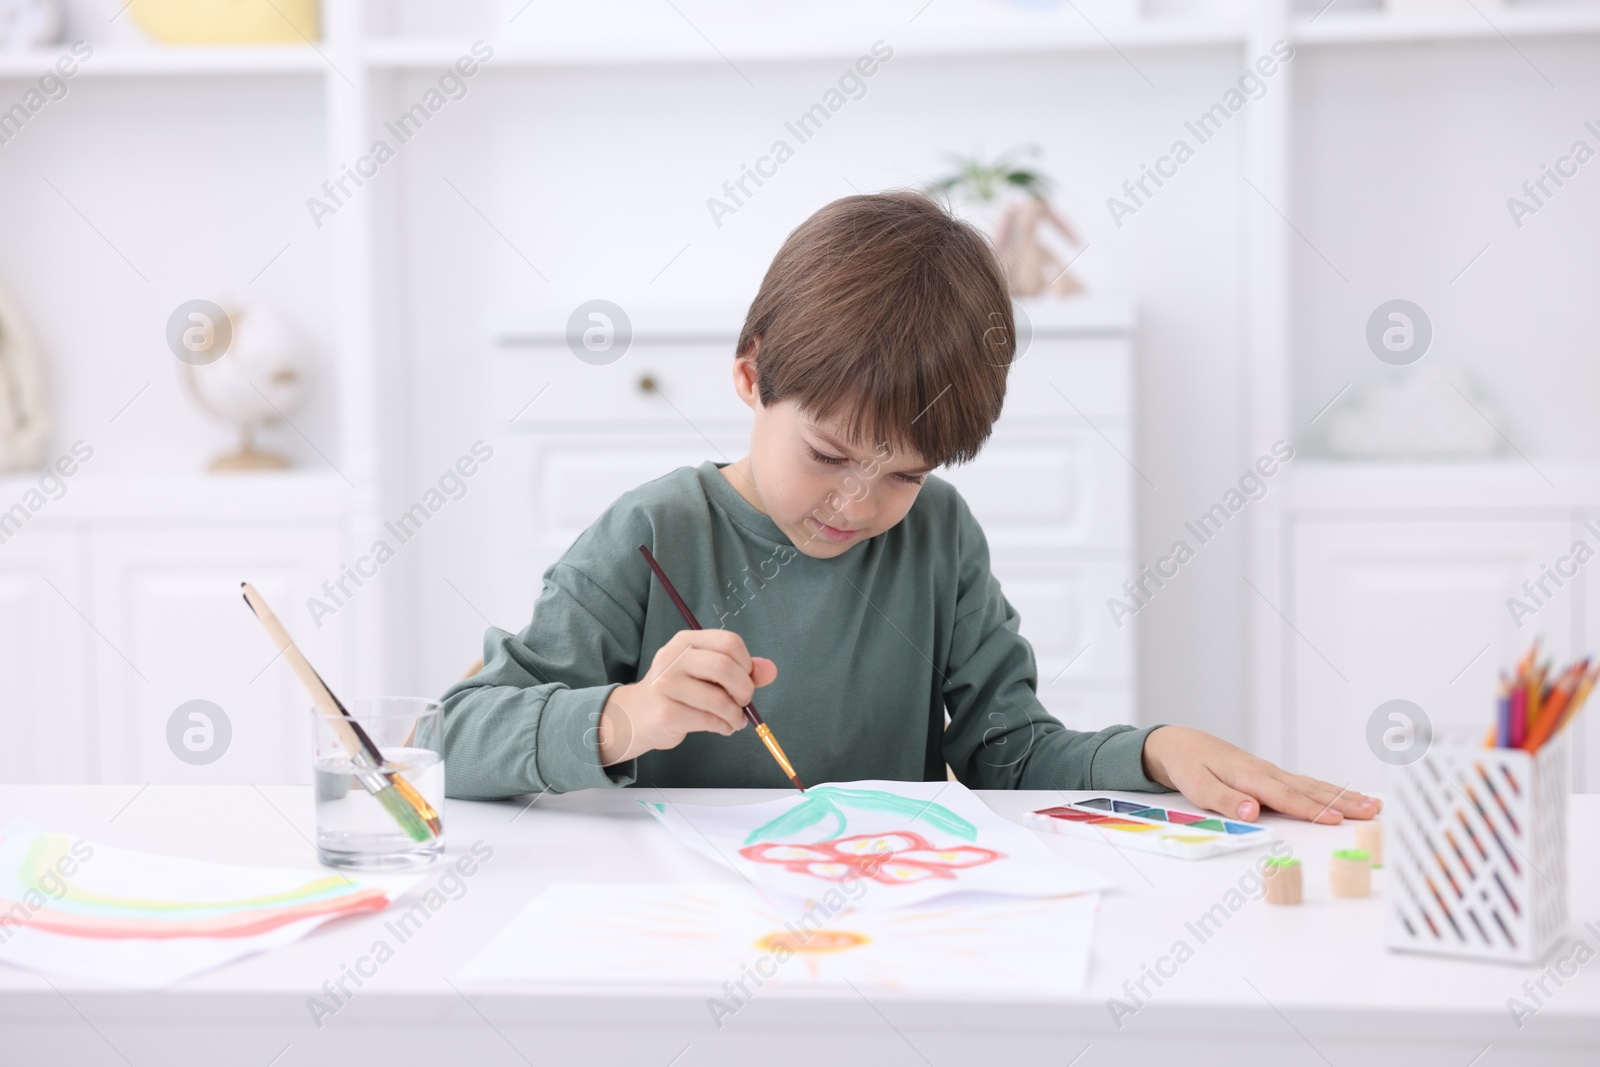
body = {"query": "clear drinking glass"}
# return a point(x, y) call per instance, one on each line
point(360, 828)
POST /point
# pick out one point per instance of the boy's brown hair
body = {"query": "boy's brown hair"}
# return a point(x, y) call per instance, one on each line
point(888, 317)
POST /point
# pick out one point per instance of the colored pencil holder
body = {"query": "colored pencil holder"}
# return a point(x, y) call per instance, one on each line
point(1478, 852)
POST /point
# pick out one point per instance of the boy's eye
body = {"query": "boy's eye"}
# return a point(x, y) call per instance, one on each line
point(912, 479)
point(832, 461)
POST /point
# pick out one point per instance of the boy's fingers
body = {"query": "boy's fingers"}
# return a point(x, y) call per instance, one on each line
point(1212, 792)
point(690, 719)
point(1289, 799)
point(1347, 802)
point(764, 671)
point(705, 697)
point(728, 643)
point(719, 670)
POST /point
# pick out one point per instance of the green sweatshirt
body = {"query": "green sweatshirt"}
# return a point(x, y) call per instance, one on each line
point(873, 647)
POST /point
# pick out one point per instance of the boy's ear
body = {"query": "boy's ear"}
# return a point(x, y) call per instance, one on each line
point(745, 377)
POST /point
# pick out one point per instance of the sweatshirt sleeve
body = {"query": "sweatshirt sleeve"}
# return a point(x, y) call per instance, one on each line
point(528, 722)
point(1000, 736)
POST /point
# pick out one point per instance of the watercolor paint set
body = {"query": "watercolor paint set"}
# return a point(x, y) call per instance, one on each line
point(1130, 824)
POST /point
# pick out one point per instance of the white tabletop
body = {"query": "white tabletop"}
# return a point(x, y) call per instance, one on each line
point(1283, 985)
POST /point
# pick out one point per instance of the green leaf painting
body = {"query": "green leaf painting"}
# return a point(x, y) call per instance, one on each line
point(824, 802)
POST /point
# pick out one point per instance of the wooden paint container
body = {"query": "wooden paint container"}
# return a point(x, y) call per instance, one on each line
point(1284, 885)
point(1351, 873)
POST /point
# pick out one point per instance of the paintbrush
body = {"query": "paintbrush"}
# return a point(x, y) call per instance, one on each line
point(750, 711)
point(399, 797)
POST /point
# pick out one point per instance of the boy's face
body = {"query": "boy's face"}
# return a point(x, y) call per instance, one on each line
point(826, 493)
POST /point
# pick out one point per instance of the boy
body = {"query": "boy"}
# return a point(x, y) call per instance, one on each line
point(876, 351)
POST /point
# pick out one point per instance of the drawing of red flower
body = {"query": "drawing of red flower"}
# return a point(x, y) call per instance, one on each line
point(895, 858)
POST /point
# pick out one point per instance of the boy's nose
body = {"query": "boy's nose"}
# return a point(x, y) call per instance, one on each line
point(854, 518)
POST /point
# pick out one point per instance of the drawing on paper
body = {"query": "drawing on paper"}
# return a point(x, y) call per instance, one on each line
point(140, 920)
point(829, 801)
point(78, 912)
point(718, 936)
point(893, 857)
point(925, 839)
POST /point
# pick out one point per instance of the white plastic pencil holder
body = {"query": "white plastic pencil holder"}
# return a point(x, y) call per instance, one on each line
point(1478, 857)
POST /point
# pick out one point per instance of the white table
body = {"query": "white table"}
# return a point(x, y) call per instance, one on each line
point(1282, 986)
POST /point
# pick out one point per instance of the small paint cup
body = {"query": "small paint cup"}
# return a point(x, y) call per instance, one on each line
point(1369, 839)
point(1350, 874)
point(1284, 883)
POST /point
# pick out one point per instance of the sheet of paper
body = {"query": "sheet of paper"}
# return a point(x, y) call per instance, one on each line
point(73, 907)
point(727, 942)
point(906, 842)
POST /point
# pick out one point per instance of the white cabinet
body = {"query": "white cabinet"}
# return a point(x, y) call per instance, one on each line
point(122, 602)
point(1394, 583)
point(174, 628)
point(43, 658)
point(1052, 487)
point(1413, 610)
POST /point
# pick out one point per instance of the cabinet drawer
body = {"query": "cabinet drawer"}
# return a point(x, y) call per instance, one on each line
point(665, 383)
point(1060, 380)
point(1062, 602)
point(559, 483)
point(1069, 378)
point(1049, 489)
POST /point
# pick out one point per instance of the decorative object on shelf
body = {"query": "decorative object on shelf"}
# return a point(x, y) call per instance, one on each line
point(1031, 267)
point(1423, 412)
point(235, 22)
point(26, 24)
point(24, 418)
point(256, 383)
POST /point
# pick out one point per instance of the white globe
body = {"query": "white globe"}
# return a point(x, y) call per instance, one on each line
point(257, 382)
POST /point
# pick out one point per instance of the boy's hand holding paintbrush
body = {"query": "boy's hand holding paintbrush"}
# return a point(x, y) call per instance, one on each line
point(698, 681)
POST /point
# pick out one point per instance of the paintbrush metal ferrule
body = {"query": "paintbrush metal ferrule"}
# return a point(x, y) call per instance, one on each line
point(777, 754)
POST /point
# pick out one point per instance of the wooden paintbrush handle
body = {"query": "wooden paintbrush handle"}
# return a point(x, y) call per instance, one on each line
point(320, 694)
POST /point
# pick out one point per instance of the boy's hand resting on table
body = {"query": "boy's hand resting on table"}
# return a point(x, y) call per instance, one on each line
point(699, 680)
point(1227, 779)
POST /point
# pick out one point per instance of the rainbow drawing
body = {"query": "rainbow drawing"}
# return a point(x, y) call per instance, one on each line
point(72, 906)
point(57, 906)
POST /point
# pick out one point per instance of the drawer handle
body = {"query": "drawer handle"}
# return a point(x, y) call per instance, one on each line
point(647, 384)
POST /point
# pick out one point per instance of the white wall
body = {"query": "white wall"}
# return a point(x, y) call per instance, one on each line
point(598, 174)
point(189, 202)
point(1404, 160)
point(599, 177)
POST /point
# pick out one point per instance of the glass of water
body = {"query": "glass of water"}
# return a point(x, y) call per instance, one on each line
point(378, 819)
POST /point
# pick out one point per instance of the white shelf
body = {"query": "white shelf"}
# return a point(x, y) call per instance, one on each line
point(286, 494)
point(1379, 28)
point(744, 46)
point(136, 60)
point(614, 47)
point(1081, 316)
point(1504, 484)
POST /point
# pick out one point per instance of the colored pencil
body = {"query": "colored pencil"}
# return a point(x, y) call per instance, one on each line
point(1554, 709)
point(1519, 715)
point(1535, 701)
point(750, 712)
point(1500, 734)
point(1574, 705)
